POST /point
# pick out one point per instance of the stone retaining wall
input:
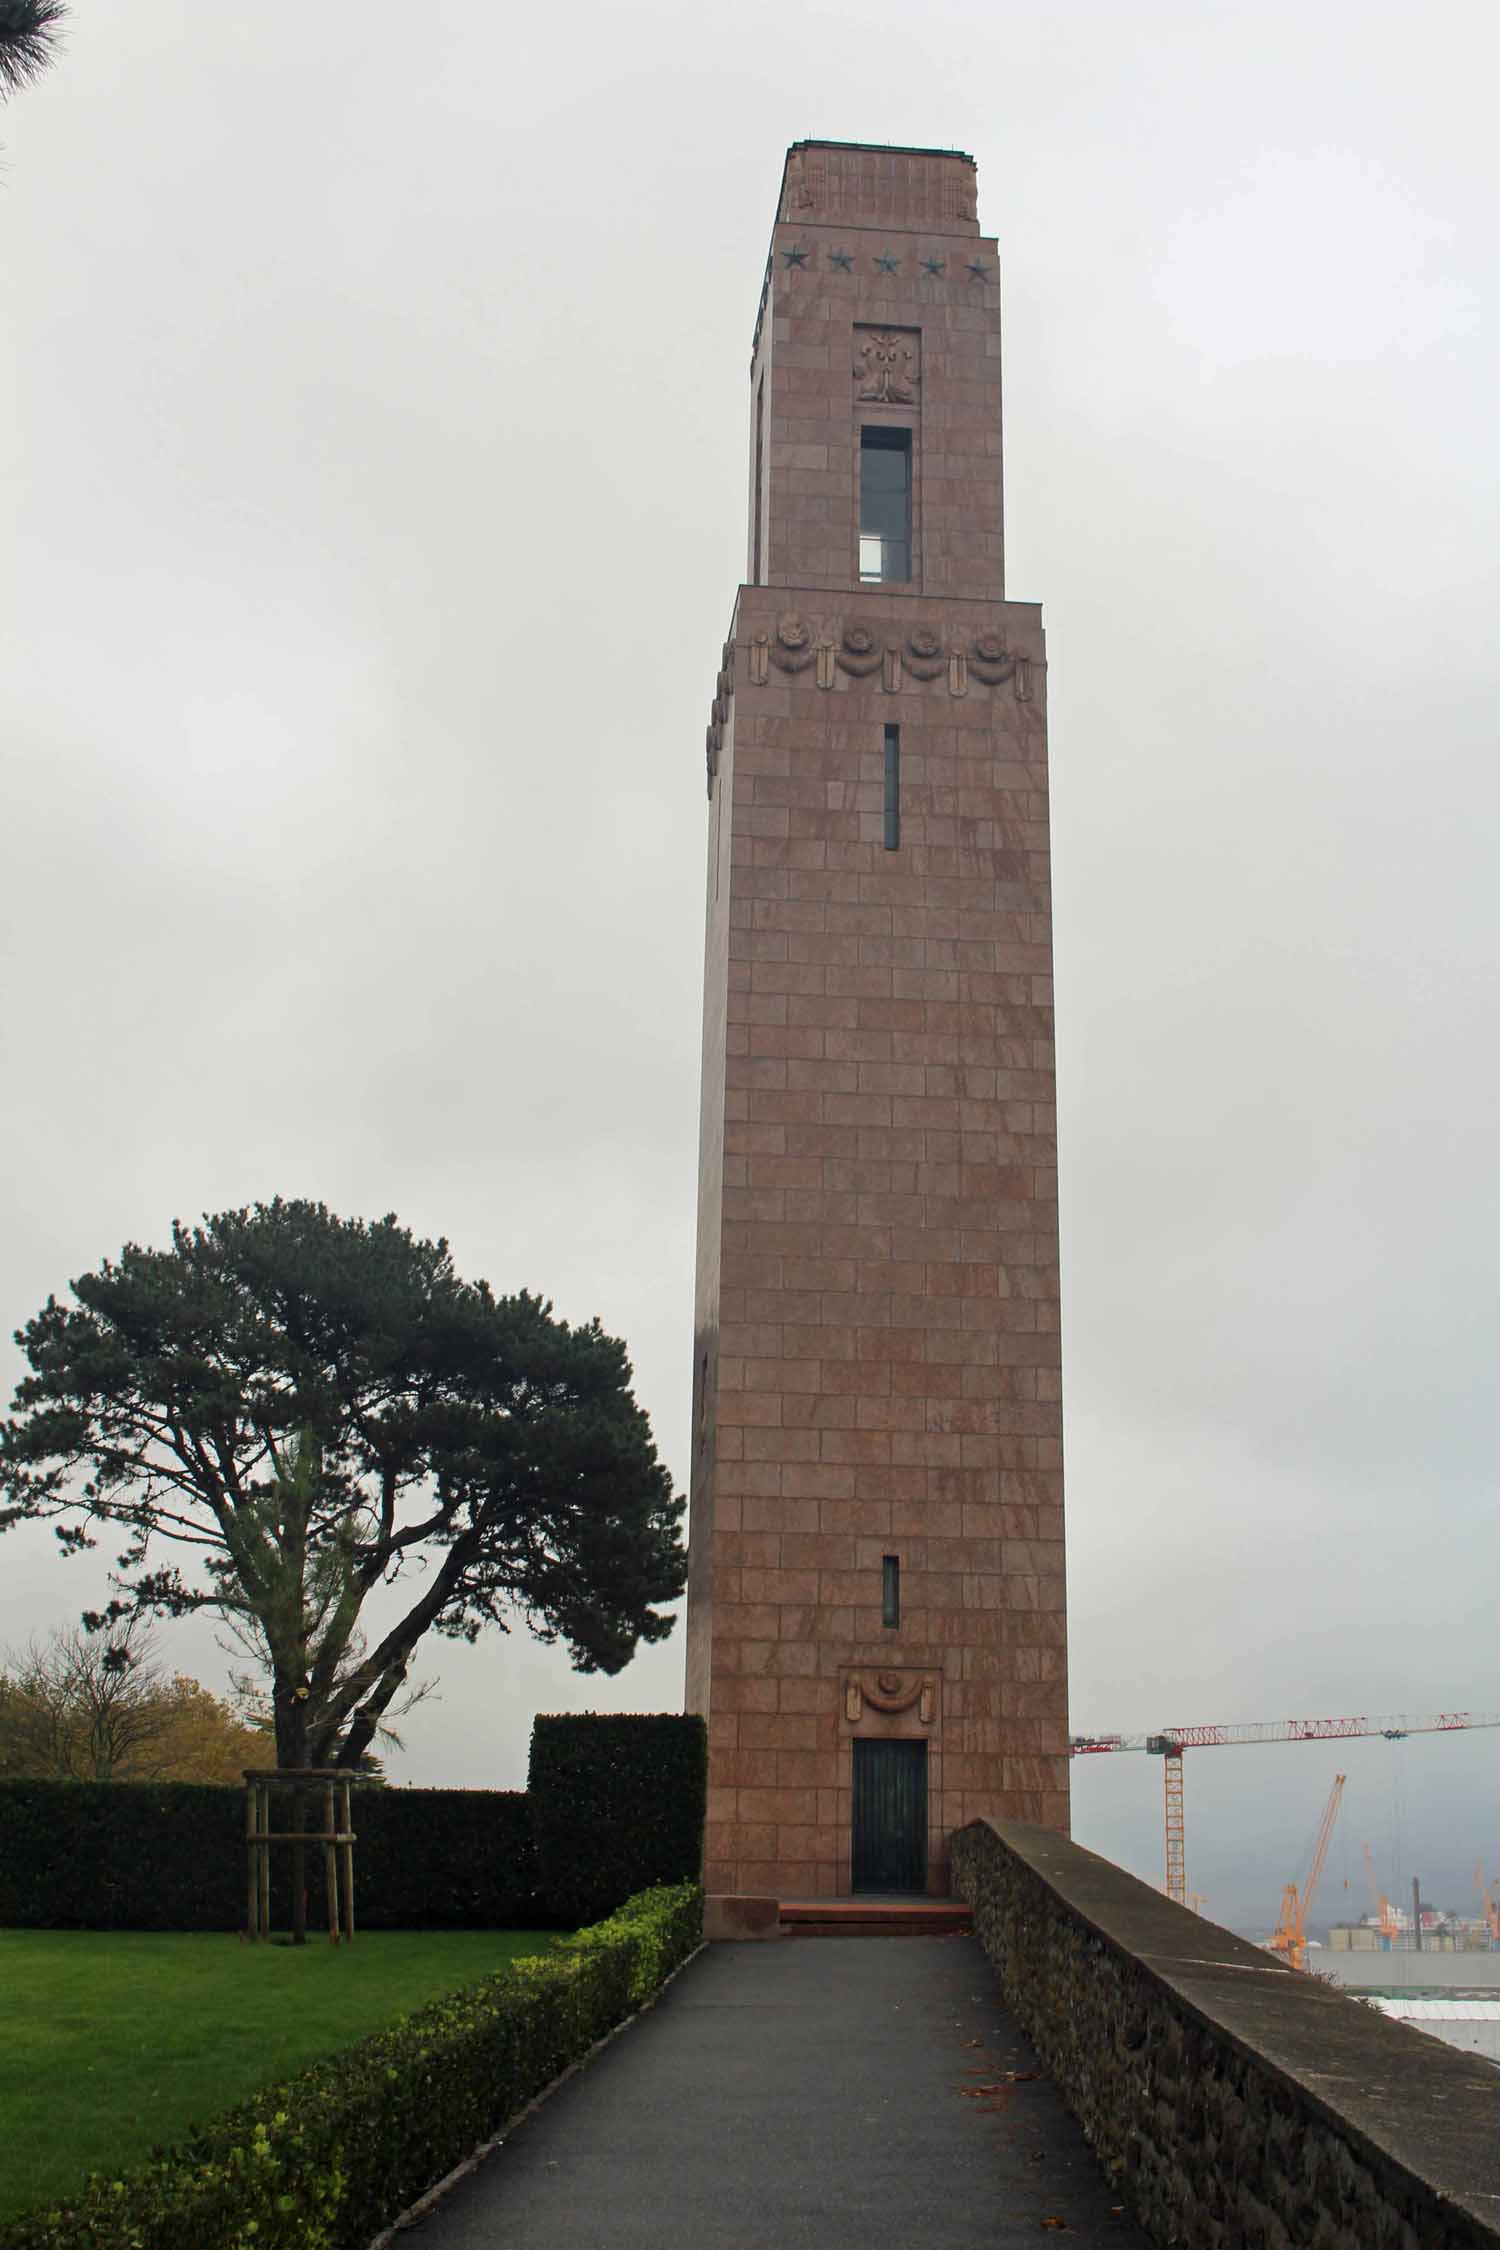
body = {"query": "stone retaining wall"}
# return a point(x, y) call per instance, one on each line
point(1239, 2105)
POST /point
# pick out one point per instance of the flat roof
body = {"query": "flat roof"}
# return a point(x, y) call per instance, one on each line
point(886, 148)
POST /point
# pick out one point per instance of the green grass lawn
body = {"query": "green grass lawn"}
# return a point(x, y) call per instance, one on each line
point(111, 2041)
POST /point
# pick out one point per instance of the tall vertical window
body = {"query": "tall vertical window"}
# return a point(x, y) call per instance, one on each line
point(892, 789)
point(890, 1590)
point(884, 504)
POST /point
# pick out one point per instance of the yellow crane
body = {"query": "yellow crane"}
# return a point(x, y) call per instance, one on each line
point(1387, 1925)
point(1491, 1897)
point(1290, 1938)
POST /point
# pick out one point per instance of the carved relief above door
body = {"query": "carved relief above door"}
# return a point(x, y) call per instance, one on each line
point(887, 365)
point(876, 1693)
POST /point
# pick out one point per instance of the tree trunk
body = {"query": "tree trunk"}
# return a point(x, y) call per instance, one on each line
point(299, 1874)
point(366, 1719)
point(291, 1751)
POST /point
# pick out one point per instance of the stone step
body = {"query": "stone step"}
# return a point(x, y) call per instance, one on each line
point(860, 1917)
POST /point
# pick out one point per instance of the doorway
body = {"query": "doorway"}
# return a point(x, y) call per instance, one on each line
point(890, 1816)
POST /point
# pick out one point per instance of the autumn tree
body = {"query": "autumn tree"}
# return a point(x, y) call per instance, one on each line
point(76, 1708)
point(286, 1411)
point(206, 1738)
point(84, 1707)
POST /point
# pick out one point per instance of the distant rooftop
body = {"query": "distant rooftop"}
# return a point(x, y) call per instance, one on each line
point(1433, 2011)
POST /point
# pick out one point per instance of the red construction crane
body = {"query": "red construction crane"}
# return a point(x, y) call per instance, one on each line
point(1171, 1742)
point(1290, 1938)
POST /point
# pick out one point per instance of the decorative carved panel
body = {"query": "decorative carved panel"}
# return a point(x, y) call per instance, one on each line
point(876, 1693)
point(887, 369)
point(860, 646)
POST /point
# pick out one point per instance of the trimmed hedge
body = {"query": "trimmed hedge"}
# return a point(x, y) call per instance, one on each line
point(617, 1804)
point(328, 2159)
point(80, 1855)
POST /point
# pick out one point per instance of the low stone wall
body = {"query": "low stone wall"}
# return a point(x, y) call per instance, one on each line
point(1239, 2105)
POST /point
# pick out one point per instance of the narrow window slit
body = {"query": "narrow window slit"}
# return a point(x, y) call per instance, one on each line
point(890, 1591)
point(892, 789)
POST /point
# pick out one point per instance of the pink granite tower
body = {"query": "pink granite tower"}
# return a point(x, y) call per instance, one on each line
point(876, 1625)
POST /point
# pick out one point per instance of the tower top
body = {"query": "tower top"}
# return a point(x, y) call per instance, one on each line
point(875, 379)
point(859, 183)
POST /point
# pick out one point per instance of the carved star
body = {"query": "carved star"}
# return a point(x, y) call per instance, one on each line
point(843, 259)
point(978, 268)
point(888, 264)
point(933, 265)
point(795, 257)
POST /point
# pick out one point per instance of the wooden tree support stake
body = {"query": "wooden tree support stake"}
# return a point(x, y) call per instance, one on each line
point(336, 1837)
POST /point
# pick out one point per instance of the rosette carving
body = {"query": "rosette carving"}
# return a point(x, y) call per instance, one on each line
point(990, 660)
point(718, 717)
point(792, 647)
point(860, 646)
point(923, 655)
point(859, 651)
point(890, 1693)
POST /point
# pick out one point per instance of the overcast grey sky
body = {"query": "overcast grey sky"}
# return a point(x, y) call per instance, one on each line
point(372, 444)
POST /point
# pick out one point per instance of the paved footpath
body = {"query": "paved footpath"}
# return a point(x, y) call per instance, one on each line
point(832, 2093)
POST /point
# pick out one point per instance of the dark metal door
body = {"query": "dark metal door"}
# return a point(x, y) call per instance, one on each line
point(890, 1816)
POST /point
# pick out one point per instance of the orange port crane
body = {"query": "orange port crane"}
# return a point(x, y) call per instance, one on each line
point(1387, 1925)
point(1290, 1936)
point(1171, 1742)
point(1490, 1893)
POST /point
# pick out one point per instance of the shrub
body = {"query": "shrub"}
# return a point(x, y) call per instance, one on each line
point(79, 1855)
point(94, 1855)
point(665, 1924)
point(438, 1859)
point(617, 1805)
point(328, 2159)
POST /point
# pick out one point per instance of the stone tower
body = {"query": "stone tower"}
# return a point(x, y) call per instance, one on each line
point(876, 1628)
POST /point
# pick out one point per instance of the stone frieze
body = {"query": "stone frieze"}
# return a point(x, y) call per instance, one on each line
point(858, 647)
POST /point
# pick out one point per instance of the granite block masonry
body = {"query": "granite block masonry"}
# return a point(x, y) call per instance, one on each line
point(1235, 2103)
point(876, 1625)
